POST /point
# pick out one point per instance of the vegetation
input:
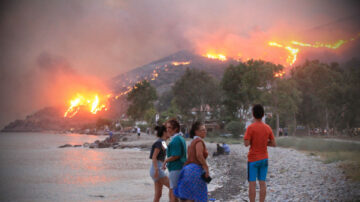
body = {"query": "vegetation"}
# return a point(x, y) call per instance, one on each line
point(235, 128)
point(246, 84)
point(196, 91)
point(127, 123)
point(313, 95)
point(142, 98)
point(150, 118)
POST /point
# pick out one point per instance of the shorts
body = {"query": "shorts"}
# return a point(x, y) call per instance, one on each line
point(174, 178)
point(257, 169)
point(161, 171)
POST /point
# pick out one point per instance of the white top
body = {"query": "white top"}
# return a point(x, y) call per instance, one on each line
point(172, 137)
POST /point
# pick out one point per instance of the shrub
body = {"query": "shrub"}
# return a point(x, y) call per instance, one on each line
point(235, 127)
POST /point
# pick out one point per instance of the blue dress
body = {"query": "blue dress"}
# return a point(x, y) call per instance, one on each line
point(190, 185)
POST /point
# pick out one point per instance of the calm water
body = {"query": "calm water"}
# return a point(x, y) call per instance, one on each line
point(33, 168)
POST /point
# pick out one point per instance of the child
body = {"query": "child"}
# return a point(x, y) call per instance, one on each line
point(258, 135)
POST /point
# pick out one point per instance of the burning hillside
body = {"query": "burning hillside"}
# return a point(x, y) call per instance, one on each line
point(287, 53)
point(284, 52)
point(90, 101)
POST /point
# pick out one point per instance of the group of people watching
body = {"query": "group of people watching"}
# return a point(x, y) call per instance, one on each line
point(187, 166)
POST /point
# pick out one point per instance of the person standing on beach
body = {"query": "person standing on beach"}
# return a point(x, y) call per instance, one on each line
point(258, 135)
point(176, 155)
point(192, 185)
point(138, 130)
point(157, 155)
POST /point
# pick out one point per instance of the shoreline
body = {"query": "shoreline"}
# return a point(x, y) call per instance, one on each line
point(293, 175)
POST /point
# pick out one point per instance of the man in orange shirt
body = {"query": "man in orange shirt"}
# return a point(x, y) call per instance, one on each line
point(258, 135)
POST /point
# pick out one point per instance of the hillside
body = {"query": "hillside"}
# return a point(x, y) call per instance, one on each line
point(161, 73)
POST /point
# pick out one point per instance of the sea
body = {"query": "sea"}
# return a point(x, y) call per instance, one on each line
point(34, 168)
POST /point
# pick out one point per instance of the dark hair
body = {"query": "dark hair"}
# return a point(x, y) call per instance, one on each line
point(258, 111)
point(160, 130)
point(195, 126)
point(174, 124)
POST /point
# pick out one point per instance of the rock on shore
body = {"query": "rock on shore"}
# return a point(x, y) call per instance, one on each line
point(292, 176)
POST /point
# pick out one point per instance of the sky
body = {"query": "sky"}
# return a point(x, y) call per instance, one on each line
point(50, 48)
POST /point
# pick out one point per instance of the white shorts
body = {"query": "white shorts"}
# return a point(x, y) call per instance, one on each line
point(173, 178)
point(161, 171)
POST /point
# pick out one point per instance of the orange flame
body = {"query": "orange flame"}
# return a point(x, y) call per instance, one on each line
point(221, 57)
point(279, 74)
point(90, 101)
point(294, 51)
point(180, 63)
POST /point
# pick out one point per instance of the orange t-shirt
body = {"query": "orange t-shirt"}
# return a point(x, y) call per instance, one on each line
point(259, 134)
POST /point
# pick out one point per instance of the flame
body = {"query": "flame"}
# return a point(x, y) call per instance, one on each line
point(291, 59)
point(271, 43)
point(279, 74)
point(180, 63)
point(90, 101)
point(221, 57)
point(154, 75)
point(334, 45)
point(292, 51)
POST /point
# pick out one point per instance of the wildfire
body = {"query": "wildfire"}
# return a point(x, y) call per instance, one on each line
point(294, 51)
point(216, 56)
point(279, 74)
point(180, 63)
point(92, 102)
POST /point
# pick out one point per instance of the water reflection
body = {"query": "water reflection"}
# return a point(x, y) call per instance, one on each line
point(33, 168)
point(84, 166)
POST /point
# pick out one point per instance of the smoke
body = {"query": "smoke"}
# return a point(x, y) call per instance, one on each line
point(48, 46)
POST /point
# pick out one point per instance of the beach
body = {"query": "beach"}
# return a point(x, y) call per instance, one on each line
point(34, 169)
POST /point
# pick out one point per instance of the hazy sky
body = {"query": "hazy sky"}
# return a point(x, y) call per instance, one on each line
point(45, 45)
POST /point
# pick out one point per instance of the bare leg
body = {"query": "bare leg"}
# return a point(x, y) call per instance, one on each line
point(262, 191)
point(172, 196)
point(252, 191)
point(158, 190)
point(165, 181)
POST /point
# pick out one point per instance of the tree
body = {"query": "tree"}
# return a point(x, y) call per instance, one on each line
point(196, 90)
point(150, 118)
point(320, 85)
point(236, 128)
point(246, 84)
point(172, 112)
point(284, 98)
point(165, 101)
point(142, 98)
point(351, 96)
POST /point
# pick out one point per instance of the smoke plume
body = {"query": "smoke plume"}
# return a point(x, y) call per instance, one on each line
point(49, 48)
